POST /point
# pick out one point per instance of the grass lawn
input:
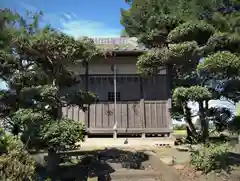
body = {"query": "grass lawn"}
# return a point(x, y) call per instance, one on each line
point(238, 108)
point(180, 132)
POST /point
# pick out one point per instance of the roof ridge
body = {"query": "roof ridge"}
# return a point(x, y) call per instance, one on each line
point(114, 40)
point(119, 43)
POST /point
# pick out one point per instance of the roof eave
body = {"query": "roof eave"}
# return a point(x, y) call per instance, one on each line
point(126, 52)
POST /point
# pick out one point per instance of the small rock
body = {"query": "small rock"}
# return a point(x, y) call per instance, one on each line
point(179, 167)
point(92, 179)
point(167, 160)
point(198, 173)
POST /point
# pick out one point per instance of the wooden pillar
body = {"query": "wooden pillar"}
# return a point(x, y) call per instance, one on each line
point(115, 98)
point(169, 90)
point(142, 107)
point(86, 116)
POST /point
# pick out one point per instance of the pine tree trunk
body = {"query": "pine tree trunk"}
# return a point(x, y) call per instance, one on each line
point(187, 116)
point(204, 122)
point(55, 111)
point(53, 160)
point(191, 130)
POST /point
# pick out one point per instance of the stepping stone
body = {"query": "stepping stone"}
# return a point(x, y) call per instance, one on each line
point(167, 160)
point(93, 179)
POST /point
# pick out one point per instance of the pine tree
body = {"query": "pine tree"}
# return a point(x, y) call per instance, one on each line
point(179, 33)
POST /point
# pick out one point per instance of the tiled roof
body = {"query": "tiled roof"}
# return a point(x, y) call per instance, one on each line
point(119, 44)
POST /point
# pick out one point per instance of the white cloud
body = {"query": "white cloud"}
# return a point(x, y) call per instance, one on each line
point(72, 25)
point(77, 27)
point(67, 16)
point(74, 15)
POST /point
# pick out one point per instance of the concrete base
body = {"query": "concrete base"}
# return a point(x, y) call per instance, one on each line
point(127, 142)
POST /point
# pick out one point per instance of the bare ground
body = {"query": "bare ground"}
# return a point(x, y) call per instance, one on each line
point(151, 164)
point(180, 162)
point(114, 165)
point(187, 172)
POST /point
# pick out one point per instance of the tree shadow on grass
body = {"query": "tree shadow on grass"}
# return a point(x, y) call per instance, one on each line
point(96, 163)
point(234, 153)
point(234, 159)
point(233, 156)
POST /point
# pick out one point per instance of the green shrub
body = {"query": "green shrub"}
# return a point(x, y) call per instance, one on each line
point(63, 134)
point(15, 162)
point(212, 157)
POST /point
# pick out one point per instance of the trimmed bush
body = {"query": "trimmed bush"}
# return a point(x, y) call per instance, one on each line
point(212, 157)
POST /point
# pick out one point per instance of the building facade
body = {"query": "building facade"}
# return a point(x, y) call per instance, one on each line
point(142, 103)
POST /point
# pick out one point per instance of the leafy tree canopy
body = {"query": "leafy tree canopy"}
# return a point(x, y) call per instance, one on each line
point(34, 63)
point(181, 32)
point(222, 63)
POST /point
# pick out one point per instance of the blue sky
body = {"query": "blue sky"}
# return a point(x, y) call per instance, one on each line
point(93, 18)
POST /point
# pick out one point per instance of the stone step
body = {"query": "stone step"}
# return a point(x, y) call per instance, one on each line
point(137, 179)
point(90, 143)
point(128, 179)
point(123, 174)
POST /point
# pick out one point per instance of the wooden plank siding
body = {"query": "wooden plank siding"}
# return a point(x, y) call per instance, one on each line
point(144, 101)
point(132, 117)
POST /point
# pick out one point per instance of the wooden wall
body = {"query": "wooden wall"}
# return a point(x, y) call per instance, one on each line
point(129, 87)
point(144, 105)
point(132, 117)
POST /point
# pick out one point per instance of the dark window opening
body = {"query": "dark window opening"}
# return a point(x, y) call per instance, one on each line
point(111, 96)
